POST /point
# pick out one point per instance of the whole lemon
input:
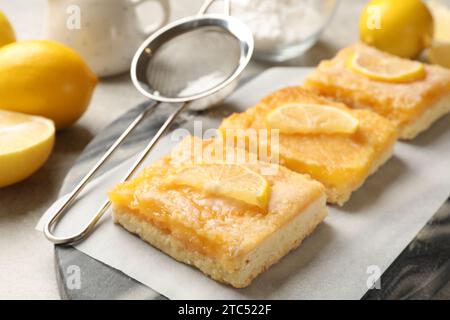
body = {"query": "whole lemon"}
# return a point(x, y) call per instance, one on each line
point(6, 31)
point(400, 27)
point(45, 78)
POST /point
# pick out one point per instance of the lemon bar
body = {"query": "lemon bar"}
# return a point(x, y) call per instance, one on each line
point(412, 97)
point(226, 234)
point(340, 160)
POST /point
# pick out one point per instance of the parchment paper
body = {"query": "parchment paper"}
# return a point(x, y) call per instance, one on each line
point(336, 261)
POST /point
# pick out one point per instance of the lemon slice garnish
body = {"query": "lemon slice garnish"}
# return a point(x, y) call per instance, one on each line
point(383, 67)
point(229, 180)
point(25, 144)
point(298, 118)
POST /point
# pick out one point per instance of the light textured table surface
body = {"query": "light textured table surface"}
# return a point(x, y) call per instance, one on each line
point(26, 258)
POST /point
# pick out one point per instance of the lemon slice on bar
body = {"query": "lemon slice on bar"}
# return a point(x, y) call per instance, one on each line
point(297, 118)
point(384, 67)
point(229, 180)
point(25, 144)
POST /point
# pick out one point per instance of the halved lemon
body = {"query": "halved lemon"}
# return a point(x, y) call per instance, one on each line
point(384, 67)
point(230, 180)
point(298, 118)
point(25, 144)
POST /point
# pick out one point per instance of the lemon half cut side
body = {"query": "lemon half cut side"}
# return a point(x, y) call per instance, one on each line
point(25, 144)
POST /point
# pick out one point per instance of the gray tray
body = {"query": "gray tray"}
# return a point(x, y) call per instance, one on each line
point(421, 271)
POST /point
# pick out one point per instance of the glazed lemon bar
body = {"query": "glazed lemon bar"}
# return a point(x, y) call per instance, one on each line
point(338, 146)
point(411, 94)
point(229, 219)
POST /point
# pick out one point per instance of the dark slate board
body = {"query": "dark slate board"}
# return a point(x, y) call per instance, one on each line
point(422, 270)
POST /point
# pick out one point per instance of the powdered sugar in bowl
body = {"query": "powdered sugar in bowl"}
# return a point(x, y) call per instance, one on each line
point(284, 29)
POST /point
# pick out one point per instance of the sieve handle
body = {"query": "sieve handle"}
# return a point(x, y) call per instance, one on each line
point(50, 225)
point(205, 6)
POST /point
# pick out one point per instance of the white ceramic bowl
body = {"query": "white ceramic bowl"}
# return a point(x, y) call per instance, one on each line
point(284, 29)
